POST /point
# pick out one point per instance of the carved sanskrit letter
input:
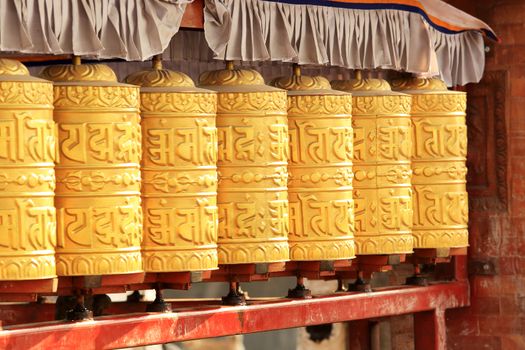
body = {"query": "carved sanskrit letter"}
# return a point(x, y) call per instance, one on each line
point(245, 144)
point(456, 142)
point(457, 206)
point(226, 220)
point(210, 150)
point(434, 143)
point(294, 146)
point(74, 145)
point(9, 232)
point(343, 144)
point(318, 149)
point(389, 142)
point(188, 224)
point(130, 230)
point(225, 143)
point(198, 144)
point(189, 147)
point(128, 147)
point(101, 141)
point(435, 208)
point(343, 222)
point(296, 219)
point(207, 216)
point(162, 226)
point(359, 144)
point(322, 223)
point(279, 217)
point(298, 140)
point(279, 143)
point(361, 215)
point(41, 146)
point(12, 137)
point(196, 225)
point(395, 212)
point(304, 209)
point(161, 145)
point(319, 224)
point(245, 220)
point(194, 142)
point(106, 228)
point(417, 198)
point(210, 224)
point(23, 208)
point(80, 225)
point(8, 140)
point(42, 233)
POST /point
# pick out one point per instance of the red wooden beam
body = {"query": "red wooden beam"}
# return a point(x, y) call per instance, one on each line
point(33, 58)
point(430, 331)
point(214, 320)
point(359, 334)
point(194, 15)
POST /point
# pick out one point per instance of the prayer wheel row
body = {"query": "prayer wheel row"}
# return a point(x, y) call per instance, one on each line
point(171, 177)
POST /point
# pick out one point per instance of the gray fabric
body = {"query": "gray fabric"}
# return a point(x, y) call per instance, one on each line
point(253, 30)
point(461, 57)
point(128, 29)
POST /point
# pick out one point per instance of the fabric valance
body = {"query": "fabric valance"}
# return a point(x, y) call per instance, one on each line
point(427, 37)
point(128, 29)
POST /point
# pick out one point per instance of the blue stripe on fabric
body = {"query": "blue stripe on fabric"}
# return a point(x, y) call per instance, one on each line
point(380, 6)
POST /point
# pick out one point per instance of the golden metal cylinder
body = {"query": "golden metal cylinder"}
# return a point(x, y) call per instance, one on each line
point(27, 176)
point(382, 148)
point(252, 191)
point(99, 217)
point(320, 169)
point(179, 193)
point(438, 163)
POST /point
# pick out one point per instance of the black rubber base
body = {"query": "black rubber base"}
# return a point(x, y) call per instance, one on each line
point(299, 292)
point(417, 280)
point(135, 297)
point(234, 298)
point(158, 305)
point(360, 285)
point(100, 303)
point(79, 313)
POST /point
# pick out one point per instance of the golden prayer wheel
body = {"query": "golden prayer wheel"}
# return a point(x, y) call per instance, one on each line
point(252, 158)
point(27, 176)
point(99, 216)
point(179, 171)
point(382, 148)
point(438, 163)
point(320, 169)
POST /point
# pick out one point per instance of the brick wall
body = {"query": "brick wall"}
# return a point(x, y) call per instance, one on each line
point(496, 113)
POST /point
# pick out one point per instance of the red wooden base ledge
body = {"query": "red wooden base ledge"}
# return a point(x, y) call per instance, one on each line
point(212, 320)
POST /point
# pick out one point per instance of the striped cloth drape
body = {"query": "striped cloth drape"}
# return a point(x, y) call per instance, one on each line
point(427, 37)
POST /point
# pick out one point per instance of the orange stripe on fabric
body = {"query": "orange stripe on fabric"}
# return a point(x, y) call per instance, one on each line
point(413, 3)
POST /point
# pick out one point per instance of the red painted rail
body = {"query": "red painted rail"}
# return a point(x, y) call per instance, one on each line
point(214, 320)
